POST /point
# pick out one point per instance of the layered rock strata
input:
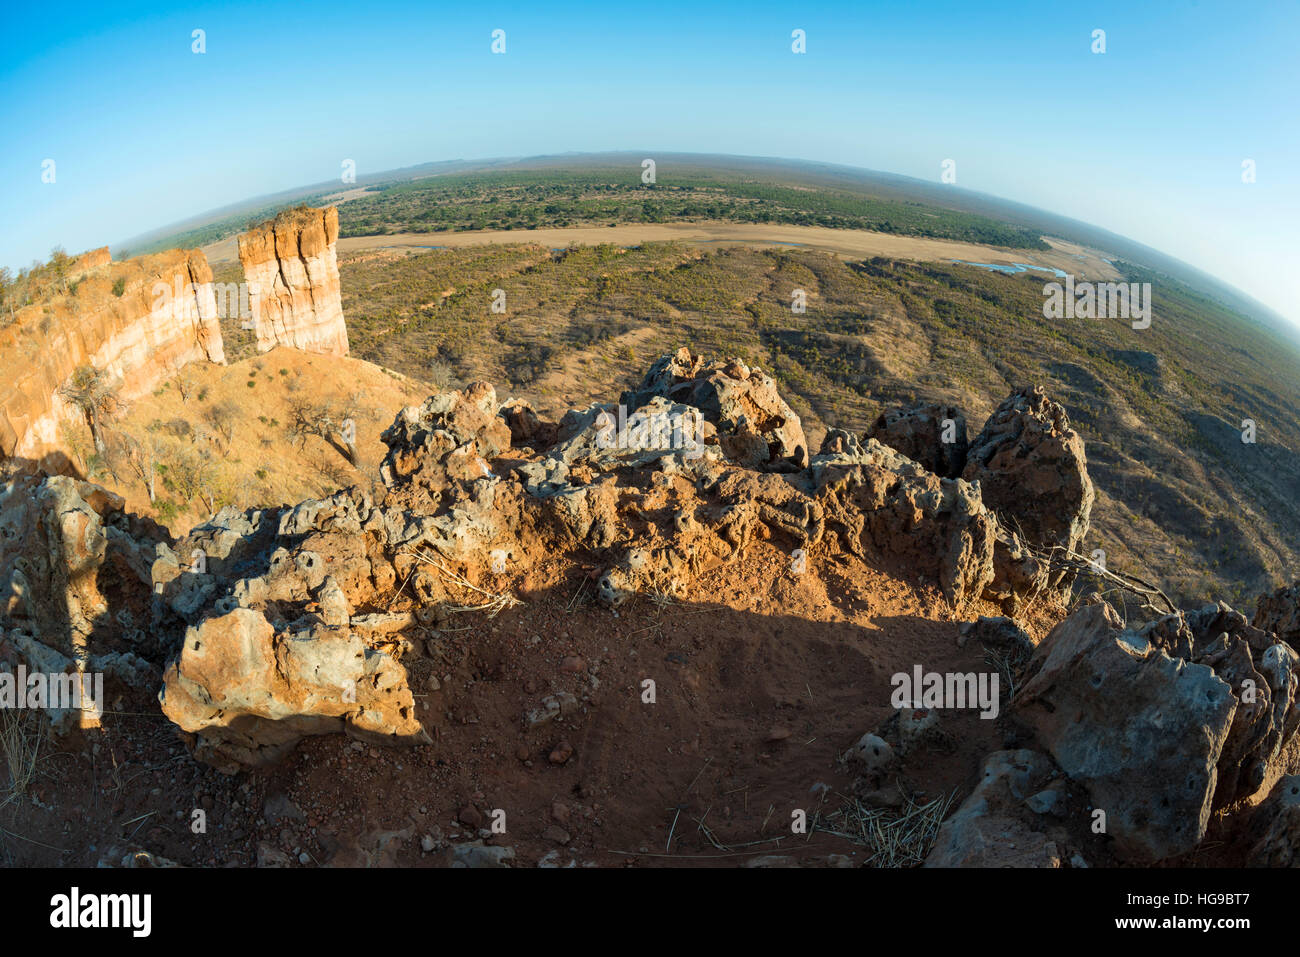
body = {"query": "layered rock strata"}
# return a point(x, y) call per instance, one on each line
point(291, 266)
point(138, 321)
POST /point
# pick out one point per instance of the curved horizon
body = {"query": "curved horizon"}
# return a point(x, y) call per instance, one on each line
point(467, 165)
point(1147, 139)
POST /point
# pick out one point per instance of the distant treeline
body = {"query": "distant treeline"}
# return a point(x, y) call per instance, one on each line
point(537, 198)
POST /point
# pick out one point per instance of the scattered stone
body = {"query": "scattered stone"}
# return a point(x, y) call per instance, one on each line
point(470, 816)
point(556, 835)
point(561, 753)
point(477, 854)
point(268, 855)
point(872, 751)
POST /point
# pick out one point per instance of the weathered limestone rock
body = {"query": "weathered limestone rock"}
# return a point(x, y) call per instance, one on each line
point(449, 437)
point(1263, 675)
point(1032, 468)
point(756, 427)
point(249, 693)
point(74, 590)
point(882, 503)
point(164, 318)
point(272, 624)
point(996, 826)
point(1279, 612)
point(1033, 474)
point(931, 435)
point(63, 545)
point(1276, 827)
point(292, 265)
point(1143, 732)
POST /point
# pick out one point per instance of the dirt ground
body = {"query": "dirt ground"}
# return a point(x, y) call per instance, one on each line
point(763, 678)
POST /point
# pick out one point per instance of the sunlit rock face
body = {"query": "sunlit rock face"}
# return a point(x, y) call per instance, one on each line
point(292, 269)
point(139, 321)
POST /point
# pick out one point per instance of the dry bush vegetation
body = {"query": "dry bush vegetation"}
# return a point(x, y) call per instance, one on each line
point(1179, 496)
point(261, 431)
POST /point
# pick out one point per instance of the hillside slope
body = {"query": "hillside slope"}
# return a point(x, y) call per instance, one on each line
point(1179, 493)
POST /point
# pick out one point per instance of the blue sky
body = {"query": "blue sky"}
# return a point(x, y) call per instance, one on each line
point(1146, 140)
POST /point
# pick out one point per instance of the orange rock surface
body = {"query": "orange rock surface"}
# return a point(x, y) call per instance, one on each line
point(291, 265)
point(164, 318)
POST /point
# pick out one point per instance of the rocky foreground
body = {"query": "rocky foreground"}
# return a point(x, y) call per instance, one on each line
point(264, 627)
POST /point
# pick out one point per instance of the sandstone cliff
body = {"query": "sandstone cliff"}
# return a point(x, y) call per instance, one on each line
point(290, 265)
point(139, 321)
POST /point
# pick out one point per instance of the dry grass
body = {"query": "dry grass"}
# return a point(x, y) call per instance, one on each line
point(258, 458)
point(496, 601)
point(22, 734)
point(892, 837)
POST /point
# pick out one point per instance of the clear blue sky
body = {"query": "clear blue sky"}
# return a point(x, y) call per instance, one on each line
point(1146, 140)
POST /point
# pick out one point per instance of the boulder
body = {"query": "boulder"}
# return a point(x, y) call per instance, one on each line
point(1279, 612)
point(997, 826)
point(248, 693)
point(755, 426)
point(1140, 730)
point(1032, 471)
point(932, 435)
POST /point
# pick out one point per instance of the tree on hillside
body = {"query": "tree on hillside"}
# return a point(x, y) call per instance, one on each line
point(143, 456)
point(60, 263)
point(187, 381)
point(92, 391)
point(336, 424)
point(224, 418)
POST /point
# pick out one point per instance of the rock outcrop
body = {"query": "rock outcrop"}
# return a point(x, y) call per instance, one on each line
point(998, 826)
point(1164, 723)
point(139, 321)
point(75, 586)
point(1279, 612)
point(248, 693)
point(1032, 469)
point(1033, 473)
point(756, 427)
point(272, 624)
point(92, 260)
point(932, 435)
point(291, 267)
